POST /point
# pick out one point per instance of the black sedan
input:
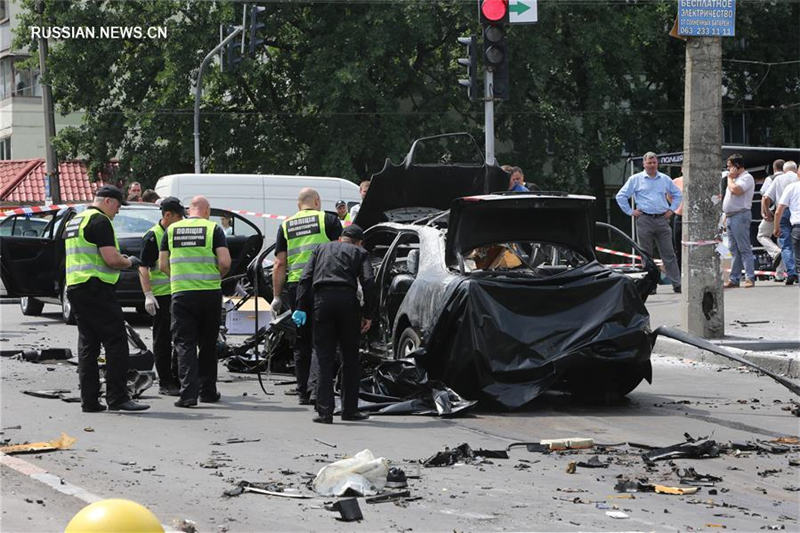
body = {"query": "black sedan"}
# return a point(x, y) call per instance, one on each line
point(500, 296)
point(32, 262)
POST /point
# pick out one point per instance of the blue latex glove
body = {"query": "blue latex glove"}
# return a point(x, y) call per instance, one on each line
point(299, 318)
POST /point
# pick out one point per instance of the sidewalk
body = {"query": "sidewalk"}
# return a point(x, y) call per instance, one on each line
point(762, 324)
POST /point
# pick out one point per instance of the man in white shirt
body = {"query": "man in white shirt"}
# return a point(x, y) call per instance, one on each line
point(771, 197)
point(363, 187)
point(764, 236)
point(790, 201)
point(736, 206)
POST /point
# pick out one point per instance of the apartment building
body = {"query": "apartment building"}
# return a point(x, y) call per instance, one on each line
point(21, 113)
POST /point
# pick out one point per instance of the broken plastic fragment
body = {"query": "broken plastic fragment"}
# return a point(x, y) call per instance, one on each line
point(62, 443)
point(616, 514)
point(577, 443)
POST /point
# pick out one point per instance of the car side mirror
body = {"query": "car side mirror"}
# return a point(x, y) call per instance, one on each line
point(412, 262)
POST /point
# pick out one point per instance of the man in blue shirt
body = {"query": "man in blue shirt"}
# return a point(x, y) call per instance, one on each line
point(650, 190)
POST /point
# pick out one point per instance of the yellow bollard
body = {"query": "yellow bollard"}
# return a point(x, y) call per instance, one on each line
point(114, 516)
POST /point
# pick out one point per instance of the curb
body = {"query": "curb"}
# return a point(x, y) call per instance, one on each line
point(775, 362)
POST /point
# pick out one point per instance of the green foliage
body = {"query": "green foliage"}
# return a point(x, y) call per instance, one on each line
point(340, 86)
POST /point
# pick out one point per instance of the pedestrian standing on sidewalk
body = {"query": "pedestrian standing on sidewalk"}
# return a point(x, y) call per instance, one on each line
point(158, 296)
point(649, 190)
point(328, 289)
point(736, 205)
point(790, 201)
point(93, 263)
point(771, 197)
point(764, 236)
point(194, 253)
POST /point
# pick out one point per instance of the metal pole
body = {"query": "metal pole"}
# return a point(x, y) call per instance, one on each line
point(488, 107)
point(198, 84)
point(50, 159)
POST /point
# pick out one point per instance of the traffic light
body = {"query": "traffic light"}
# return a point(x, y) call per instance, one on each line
point(256, 27)
point(494, 21)
point(233, 53)
point(471, 62)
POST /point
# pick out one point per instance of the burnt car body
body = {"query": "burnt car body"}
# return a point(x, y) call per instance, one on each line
point(32, 265)
point(500, 296)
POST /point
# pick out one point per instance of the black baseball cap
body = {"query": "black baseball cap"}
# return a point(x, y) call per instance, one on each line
point(109, 191)
point(172, 204)
point(340, 202)
point(353, 231)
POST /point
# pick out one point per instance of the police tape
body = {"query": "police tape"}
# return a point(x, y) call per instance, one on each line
point(623, 254)
point(259, 215)
point(32, 210)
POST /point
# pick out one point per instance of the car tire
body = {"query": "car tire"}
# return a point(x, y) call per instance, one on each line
point(67, 312)
point(408, 341)
point(30, 306)
point(606, 386)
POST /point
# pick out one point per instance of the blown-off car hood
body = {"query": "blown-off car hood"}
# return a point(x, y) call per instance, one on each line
point(403, 193)
point(558, 219)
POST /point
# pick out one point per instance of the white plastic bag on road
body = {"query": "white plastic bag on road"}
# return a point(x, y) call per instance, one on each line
point(362, 473)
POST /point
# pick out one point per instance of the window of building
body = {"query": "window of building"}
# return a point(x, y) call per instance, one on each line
point(734, 128)
point(3, 10)
point(26, 82)
point(6, 78)
point(5, 148)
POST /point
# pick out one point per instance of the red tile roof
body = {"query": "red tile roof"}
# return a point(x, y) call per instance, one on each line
point(22, 181)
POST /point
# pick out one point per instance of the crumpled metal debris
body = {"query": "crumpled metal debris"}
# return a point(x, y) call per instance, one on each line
point(401, 387)
point(700, 448)
point(462, 454)
point(593, 462)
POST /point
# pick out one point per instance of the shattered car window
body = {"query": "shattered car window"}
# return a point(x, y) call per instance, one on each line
point(528, 258)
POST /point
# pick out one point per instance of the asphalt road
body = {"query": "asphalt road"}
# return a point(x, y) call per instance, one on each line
point(177, 462)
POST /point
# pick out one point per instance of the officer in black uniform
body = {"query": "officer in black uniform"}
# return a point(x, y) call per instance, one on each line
point(328, 288)
point(158, 295)
point(93, 262)
point(296, 238)
point(194, 252)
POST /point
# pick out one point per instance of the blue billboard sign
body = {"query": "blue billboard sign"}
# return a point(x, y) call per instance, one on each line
point(707, 18)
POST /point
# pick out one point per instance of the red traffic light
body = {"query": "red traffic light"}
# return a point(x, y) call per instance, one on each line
point(494, 10)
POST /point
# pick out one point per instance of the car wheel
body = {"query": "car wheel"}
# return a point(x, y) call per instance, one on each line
point(606, 386)
point(30, 306)
point(408, 342)
point(67, 313)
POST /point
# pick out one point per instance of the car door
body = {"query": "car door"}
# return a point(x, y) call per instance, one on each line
point(30, 258)
point(244, 242)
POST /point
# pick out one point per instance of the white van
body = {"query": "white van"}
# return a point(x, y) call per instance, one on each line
point(270, 194)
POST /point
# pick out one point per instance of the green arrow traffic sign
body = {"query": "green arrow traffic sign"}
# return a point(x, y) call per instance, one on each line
point(523, 11)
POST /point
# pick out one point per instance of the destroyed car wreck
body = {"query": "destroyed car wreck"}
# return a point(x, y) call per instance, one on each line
point(499, 296)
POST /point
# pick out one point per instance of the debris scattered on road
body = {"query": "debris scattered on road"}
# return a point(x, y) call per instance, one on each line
point(579, 443)
point(396, 478)
point(234, 440)
point(89, 429)
point(700, 448)
point(48, 354)
point(616, 514)
point(678, 491)
point(348, 510)
point(325, 443)
point(363, 474)
point(571, 467)
point(50, 394)
point(187, 526)
point(389, 497)
point(626, 485)
point(463, 454)
point(139, 381)
point(593, 462)
point(62, 443)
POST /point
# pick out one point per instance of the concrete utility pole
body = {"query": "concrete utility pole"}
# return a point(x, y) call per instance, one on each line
point(488, 113)
point(702, 303)
point(50, 159)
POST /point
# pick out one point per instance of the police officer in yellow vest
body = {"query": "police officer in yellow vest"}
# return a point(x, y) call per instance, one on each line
point(157, 295)
point(297, 237)
point(93, 262)
point(194, 253)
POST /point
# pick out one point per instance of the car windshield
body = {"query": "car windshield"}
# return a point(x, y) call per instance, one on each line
point(135, 220)
point(525, 258)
